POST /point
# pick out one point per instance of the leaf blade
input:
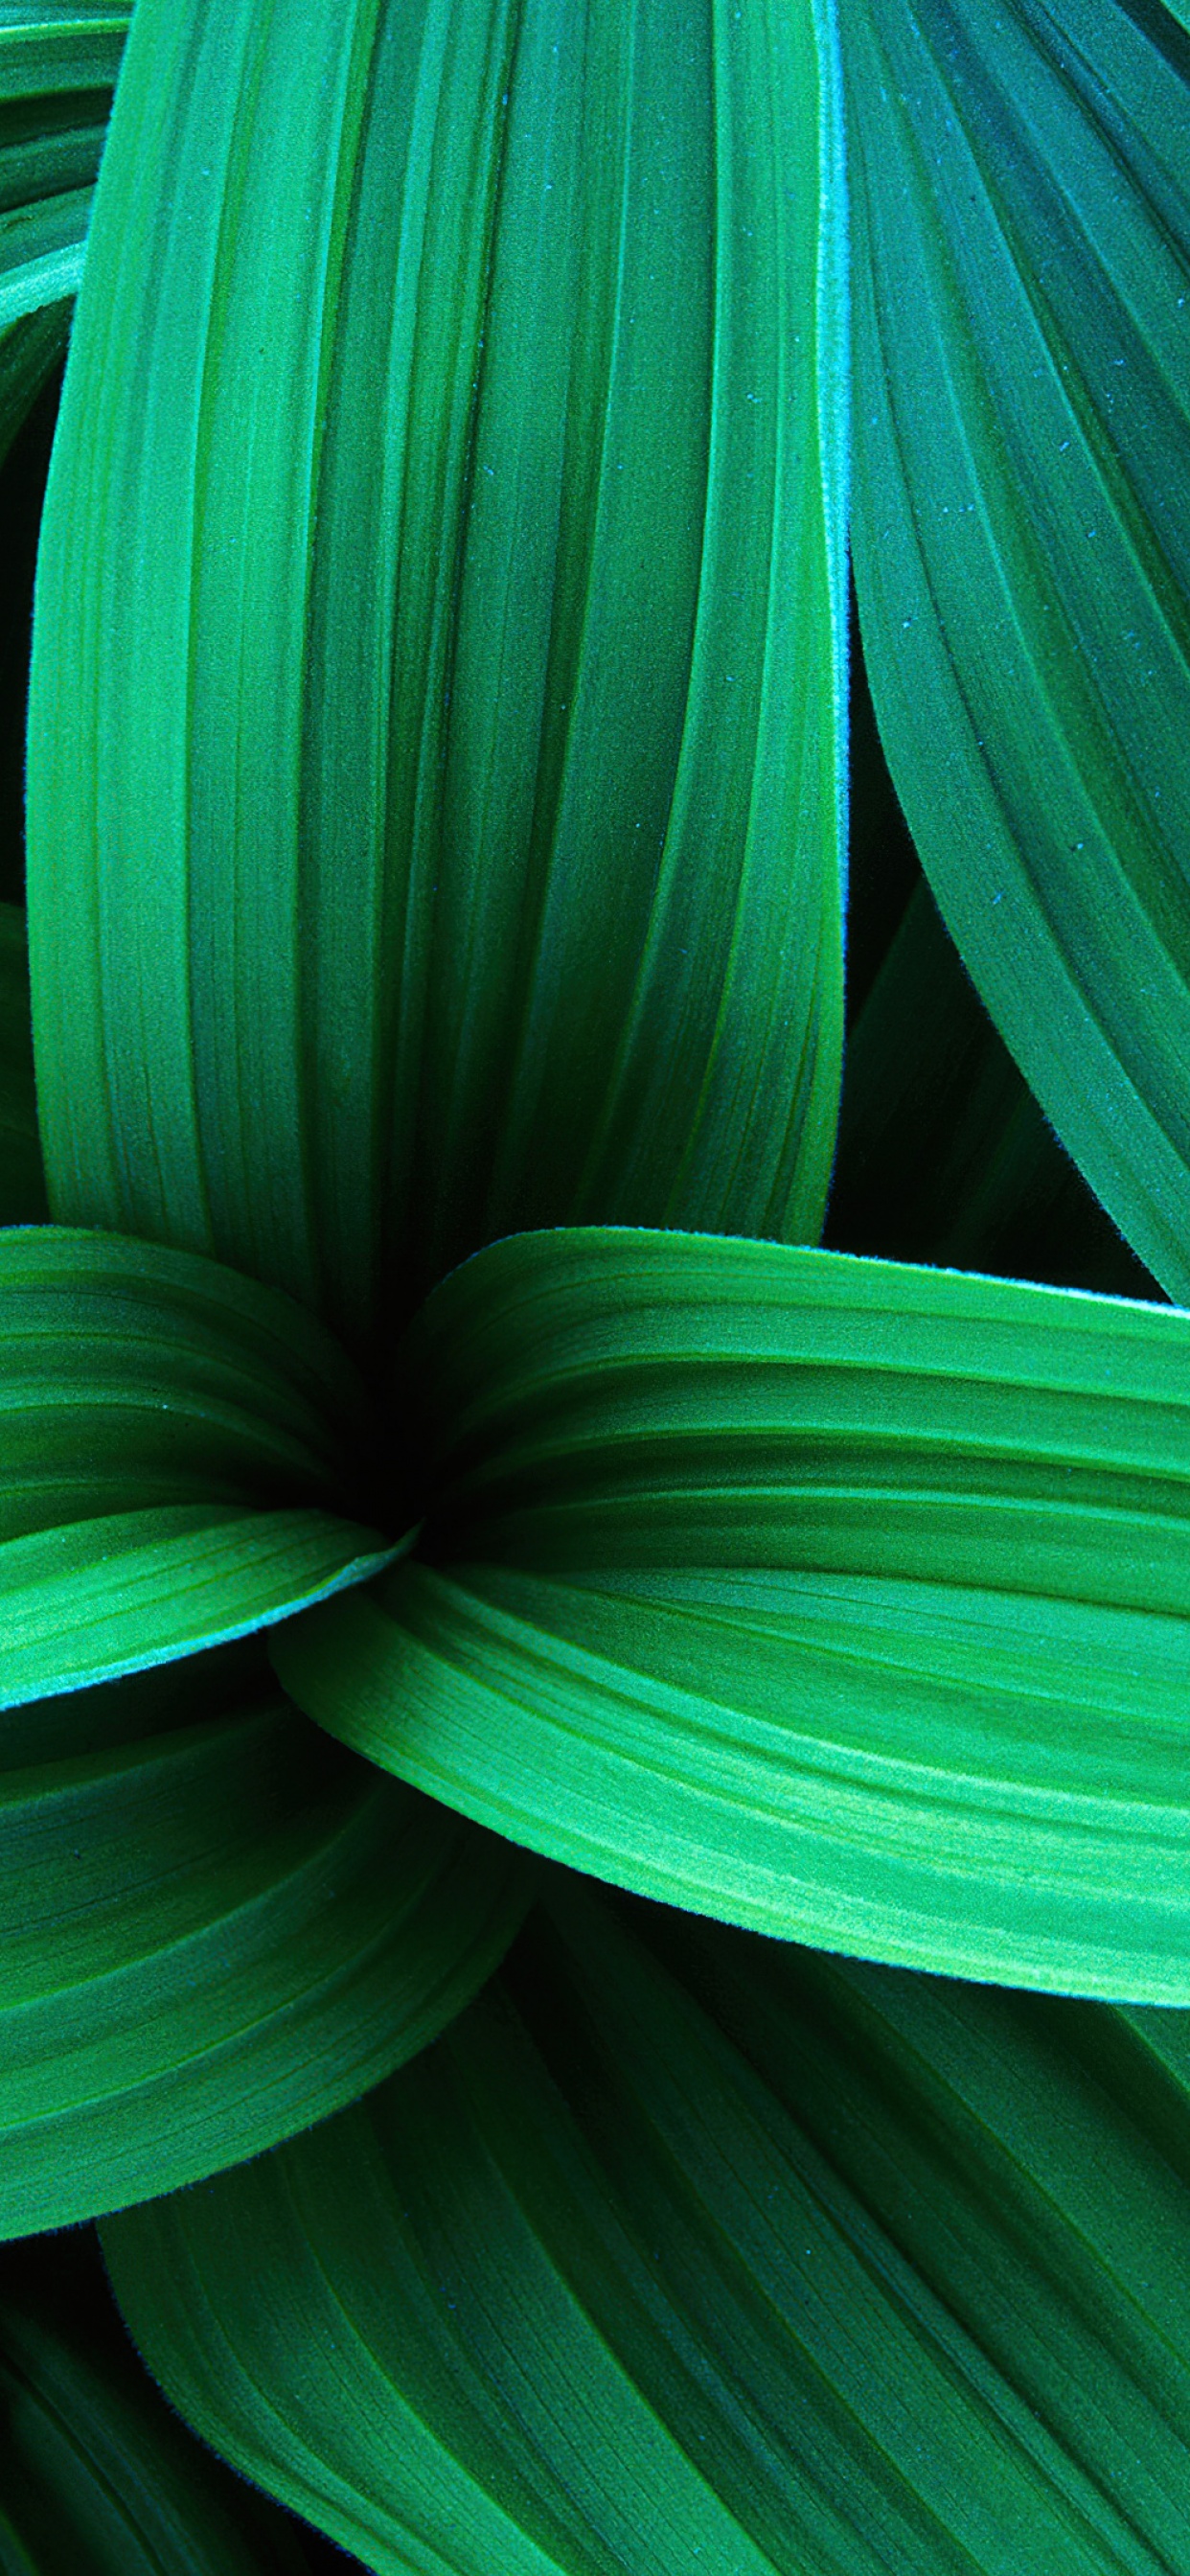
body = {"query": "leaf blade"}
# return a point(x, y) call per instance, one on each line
point(846, 2267)
point(839, 1598)
point(1022, 218)
point(177, 1452)
point(426, 815)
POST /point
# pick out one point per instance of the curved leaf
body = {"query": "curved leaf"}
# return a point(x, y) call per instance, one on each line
point(179, 1451)
point(844, 1600)
point(490, 388)
point(215, 1928)
point(29, 352)
point(1021, 178)
point(98, 2475)
point(682, 2249)
point(57, 69)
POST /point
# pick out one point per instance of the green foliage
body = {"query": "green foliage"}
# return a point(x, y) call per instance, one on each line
point(430, 1435)
point(681, 2248)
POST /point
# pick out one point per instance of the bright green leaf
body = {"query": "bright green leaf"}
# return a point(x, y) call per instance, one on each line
point(847, 1601)
point(183, 1456)
point(1020, 172)
point(445, 831)
point(684, 2250)
point(215, 1927)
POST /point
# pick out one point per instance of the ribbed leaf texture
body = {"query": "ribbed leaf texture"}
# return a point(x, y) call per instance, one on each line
point(1020, 173)
point(434, 735)
point(216, 1926)
point(682, 2249)
point(58, 65)
point(180, 1451)
point(99, 2478)
point(845, 1600)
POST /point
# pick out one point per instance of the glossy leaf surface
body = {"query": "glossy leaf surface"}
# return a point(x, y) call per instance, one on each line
point(681, 2248)
point(1020, 178)
point(181, 1457)
point(434, 738)
point(215, 1927)
point(845, 1600)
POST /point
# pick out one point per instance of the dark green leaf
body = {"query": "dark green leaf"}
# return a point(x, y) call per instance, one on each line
point(684, 2250)
point(844, 1600)
point(98, 2477)
point(215, 1927)
point(455, 660)
point(944, 1154)
point(182, 1457)
point(57, 68)
point(22, 1178)
point(1020, 172)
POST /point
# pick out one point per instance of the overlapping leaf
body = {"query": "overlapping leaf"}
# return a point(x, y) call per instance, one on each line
point(183, 1456)
point(944, 1154)
point(57, 68)
point(1020, 173)
point(434, 732)
point(848, 1601)
point(682, 2249)
point(99, 2478)
point(215, 1927)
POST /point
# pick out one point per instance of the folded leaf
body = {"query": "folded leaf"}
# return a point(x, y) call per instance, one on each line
point(98, 2474)
point(848, 1601)
point(215, 1927)
point(1021, 183)
point(22, 1177)
point(684, 2249)
point(445, 830)
point(182, 1454)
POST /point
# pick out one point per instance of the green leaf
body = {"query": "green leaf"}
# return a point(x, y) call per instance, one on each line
point(59, 48)
point(844, 1600)
point(446, 831)
point(100, 2479)
point(944, 1154)
point(182, 1455)
point(41, 253)
point(685, 2249)
point(215, 1928)
point(57, 69)
point(29, 352)
point(1021, 185)
point(22, 1177)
